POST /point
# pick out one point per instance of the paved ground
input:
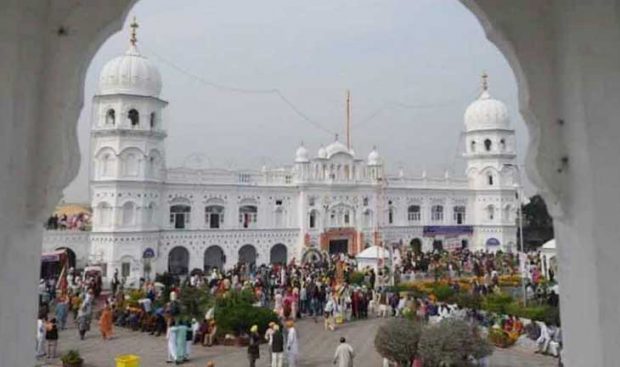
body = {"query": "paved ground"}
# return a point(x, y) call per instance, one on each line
point(317, 348)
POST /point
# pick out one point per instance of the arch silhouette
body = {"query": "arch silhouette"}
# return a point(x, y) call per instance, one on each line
point(278, 254)
point(178, 261)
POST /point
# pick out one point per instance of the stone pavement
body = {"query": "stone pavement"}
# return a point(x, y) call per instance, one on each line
point(317, 348)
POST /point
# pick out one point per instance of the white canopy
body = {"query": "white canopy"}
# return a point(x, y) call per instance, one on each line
point(549, 245)
point(373, 252)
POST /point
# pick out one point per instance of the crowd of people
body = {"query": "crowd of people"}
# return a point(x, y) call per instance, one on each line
point(76, 222)
point(333, 290)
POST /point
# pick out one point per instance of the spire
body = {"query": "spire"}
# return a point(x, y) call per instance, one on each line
point(336, 137)
point(134, 26)
point(348, 119)
point(485, 83)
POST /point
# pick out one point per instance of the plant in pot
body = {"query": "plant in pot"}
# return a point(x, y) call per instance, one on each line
point(72, 359)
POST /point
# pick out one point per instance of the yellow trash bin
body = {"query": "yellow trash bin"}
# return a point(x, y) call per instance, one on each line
point(127, 360)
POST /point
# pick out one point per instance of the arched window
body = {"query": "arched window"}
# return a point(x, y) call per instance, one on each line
point(490, 179)
point(413, 213)
point(279, 217)
point(214, 258)
point(312, 219)
point(131, 165)
point(459, 214)
point(278, 254)
point(153, 120)
point(391, 215)
point(180, 215)
point(106, 165)
point(134, 117)
point(248, 216)
point(487, 145)
point(149, 214)
point(347, 218)
point(490, 212)
point(472, 146)
point(110, 117)
point(502, 145)
point(103, 213)
point(178, 261)
point(437, 213)
point(214, 216)
point(128, 213)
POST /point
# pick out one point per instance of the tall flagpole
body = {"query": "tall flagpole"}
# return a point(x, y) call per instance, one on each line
point(348, 119)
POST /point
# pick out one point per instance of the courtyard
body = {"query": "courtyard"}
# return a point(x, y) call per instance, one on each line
point(317, 348)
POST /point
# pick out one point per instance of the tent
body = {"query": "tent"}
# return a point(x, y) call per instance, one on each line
point(548, 257)
point(369, 257)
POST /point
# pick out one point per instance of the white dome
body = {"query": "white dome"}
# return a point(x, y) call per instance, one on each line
point(130, 73)
point(301, 156)
point(486, 113)
point(322, 153)
point(335, 148)
point(374, 159)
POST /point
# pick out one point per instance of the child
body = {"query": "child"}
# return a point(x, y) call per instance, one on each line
point(51, 335)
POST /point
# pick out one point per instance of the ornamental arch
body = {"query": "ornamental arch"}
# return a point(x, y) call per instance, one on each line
point(574, 133)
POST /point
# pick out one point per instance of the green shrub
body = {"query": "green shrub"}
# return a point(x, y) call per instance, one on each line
point(466, 300)
point(195, 302)
point(397, 340)
point(356, 277)
point(496, 303)
point(444, 293)
point(547, 314)
point(451, 343)
point(238, 319)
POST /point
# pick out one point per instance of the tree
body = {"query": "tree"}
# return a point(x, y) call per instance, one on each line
point(452, 343)
point(537, 223)
point(397, 340)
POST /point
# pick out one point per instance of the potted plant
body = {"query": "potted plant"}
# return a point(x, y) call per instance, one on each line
point(72, 359)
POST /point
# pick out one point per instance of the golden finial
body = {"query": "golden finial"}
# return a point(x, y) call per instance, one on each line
point(485, 83)
point(134, 25)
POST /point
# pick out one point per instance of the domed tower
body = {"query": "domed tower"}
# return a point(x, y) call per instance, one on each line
point(302, 164)
point(375, 165)
point(491, 170)
point(127, 144)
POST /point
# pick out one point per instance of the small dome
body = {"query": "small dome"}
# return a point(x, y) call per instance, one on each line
point(322, 153)
point(374, 159)
point(335, 148)
point(301, 156)
point(130, 73)
point(486, 113)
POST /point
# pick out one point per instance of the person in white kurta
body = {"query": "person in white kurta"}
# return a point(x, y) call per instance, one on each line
point(344, 354)
point(292, 345)
point(171, 335)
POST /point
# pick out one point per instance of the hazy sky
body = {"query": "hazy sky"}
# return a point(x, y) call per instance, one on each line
point(412, 68)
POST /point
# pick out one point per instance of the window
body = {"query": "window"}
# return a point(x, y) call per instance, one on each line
point(125, 269)
point(487, 145)
point(244, 177)
point(153, 120)
point(248, 215)
point(437, 213)
point(214, 216)
point(502, 145)
point(110, 117)
point(459, 214)
point(347, 217)
point(180, 216)
point(131, 165)
point(391, 215)
point(365, 201)
point(472, 146)
point(288, 179)
point(134, 117)
point(279, 202)
point(311, 201)
point(413, 213)
point(490, 179)
point(128, 213)
point(491, 212)
point(312, 219)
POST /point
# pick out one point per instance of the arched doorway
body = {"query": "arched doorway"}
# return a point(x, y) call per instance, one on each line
point(214, 258)
point(437, 245)
point(278, 254)
point(71, 256)
point(178, 261)
point(416, 245)
point(247, 255)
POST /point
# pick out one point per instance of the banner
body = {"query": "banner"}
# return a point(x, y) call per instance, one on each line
point(430, 231)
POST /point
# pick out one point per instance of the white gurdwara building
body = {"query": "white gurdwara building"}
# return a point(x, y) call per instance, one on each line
point(179, 219)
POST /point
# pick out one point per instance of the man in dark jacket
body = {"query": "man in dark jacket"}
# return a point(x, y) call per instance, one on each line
point(277, 346)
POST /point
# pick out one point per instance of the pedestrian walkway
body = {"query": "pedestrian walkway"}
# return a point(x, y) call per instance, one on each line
point(317, 349)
